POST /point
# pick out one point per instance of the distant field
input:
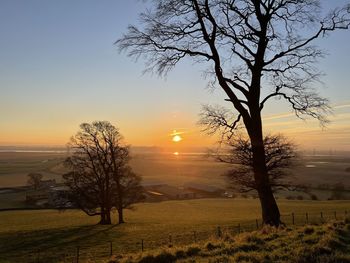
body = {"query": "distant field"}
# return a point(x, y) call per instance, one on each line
point(179, 170)
point(170, 169)
point(14, 166)
point(155, 168)
point(316, 170)
point(56, 233)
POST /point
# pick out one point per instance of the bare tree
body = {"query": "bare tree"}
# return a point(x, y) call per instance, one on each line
point(280, 157)
point(100, 177)
point(249, 45)
point(34, 180)
point(128, 187)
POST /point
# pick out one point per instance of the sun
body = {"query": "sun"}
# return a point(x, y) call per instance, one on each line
point(176, 153)
point(177, 138)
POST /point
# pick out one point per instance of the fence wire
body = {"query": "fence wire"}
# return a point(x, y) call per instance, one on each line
point(108, 248)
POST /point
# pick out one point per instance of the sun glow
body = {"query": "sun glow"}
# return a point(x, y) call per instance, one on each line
point(177, 138)
point(176, 153)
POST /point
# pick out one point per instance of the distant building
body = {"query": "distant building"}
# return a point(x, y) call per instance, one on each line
point(35, 197)
point(163, 192)
point(59, 197)
point(49, 196)
point(205, 191)
point(153, 196)
point(48, 183)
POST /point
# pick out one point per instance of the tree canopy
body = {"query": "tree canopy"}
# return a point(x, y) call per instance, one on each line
point(255, 50)
point(100, 177)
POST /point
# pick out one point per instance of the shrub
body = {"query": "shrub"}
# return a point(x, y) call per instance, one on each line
point(249, 257)
point(223, 259)
point(180, 254)
point(193, 251)
point(163, 257)
point(347, 220)
point(308, 230)
point(210, 246)
point(314, 197)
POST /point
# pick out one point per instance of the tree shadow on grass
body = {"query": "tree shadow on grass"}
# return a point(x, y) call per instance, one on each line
point(20, 244)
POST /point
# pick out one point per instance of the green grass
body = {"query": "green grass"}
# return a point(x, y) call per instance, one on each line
point(328, 243)
point(23, 233)
point(13, 200)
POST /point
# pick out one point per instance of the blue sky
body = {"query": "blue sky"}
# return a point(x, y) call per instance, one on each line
point(59, 67)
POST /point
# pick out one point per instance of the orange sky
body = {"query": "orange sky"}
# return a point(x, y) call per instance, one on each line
point(56, 73)
point(158, 131)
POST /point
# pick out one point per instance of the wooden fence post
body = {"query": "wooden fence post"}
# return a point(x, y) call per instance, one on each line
point(257, 224)
point(335, 215)
point(219, 232)
point(142, 245)
point(194, 236)
point(322, 216)
point(293, 221)
point(110, 248)
point(239, 228)
point(170, 239)
point(78, 248)
point(307, 218)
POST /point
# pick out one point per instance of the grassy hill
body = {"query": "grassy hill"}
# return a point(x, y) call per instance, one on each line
point(50, 235)
point(324, 244)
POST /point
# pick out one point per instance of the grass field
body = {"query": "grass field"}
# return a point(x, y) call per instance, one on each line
point(154, 168)
point(57, 234)
point(326, 243)
point(14, 167)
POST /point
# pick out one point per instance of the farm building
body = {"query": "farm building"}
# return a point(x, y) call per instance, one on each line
point(163, 192)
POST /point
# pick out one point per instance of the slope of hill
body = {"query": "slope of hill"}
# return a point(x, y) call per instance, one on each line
point(324, 244)
point(52, 236)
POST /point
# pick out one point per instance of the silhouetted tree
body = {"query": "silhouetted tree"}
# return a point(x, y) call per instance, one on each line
point(250, 45)
point(280, 157)
point(99, 177)
point(34, 180)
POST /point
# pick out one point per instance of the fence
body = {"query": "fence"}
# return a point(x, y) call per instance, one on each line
point(81, 253)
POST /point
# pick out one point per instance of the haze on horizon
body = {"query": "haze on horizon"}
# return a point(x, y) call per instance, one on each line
point(59, 68)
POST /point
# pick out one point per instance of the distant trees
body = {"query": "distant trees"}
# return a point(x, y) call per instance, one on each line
point(100, 177)
point(280, 157)
point(34, 180)
point(338, 192)
point(255, 50)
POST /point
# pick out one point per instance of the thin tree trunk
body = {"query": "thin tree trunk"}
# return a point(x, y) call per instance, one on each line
point(120, 202)
point(103, 218)
point(120, 216)
point(108, 220)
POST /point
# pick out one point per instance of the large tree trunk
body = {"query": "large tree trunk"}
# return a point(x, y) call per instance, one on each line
point(105, 217)
point(270, 211)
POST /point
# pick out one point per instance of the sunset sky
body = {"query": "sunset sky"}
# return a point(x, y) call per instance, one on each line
point(59, 68)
